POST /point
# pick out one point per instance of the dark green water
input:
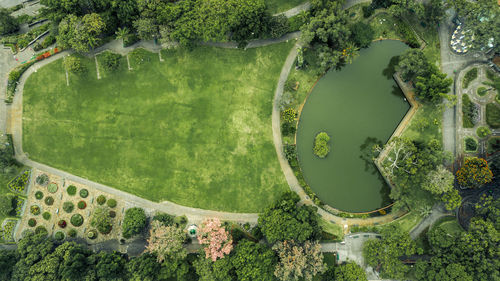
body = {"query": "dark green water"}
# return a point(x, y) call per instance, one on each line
point(354, 106)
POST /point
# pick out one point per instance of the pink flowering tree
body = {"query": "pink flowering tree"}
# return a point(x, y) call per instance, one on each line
point(215, 238)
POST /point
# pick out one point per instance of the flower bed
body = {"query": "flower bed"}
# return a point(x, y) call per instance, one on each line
point(84, 193)
point(111, 203)
point(8, 230)
point(101, 199)
point(19, 205)
point(35, 210)
point(41, 229)
point(62, 223)
point(59, 236)
point(68, 207)
point(46, 216)
point(19, 183)
point(39, 195)
point(31, 222)
point(42, 180)
point(49, 200)
point(82, 205)
point(71, 190)
point(76, 220)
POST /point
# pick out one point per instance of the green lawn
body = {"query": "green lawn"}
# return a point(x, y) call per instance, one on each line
point(450, 225)
point(408, 221)
point(194, 129)
point(277, 6)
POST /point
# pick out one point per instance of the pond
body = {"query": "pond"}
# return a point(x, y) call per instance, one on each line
point(357, 106)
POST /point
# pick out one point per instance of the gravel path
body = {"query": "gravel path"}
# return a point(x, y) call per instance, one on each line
point(438, 211)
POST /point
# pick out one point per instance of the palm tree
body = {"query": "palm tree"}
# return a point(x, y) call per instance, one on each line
point(350, 52)
point(122, 33)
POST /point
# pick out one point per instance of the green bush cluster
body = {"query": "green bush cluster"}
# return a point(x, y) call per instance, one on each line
point(321, 146)
point(31, 222)
point(111, 203)
point(76, 220)
point(49, 40)
point(39, 195)
point(84, 193)
point(110, 61)
point(19, 183)
point(470, 144)
point(46, 216)
point(407, 33)
point(483, 132)
point(41, 229)
point(8, 230)
point(469, 77)
point(14, 76)
point(72, 233)
point(49, 200)
point(101, 199)
point(42, 180)
point(74, 64)
point(470, 112)
point(59, 236)
point(134, 222)
point(493, 115)
point(71, 190)
point(68, 207)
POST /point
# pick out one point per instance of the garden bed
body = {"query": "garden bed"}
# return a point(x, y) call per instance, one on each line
point(493, 115)
point(470, 76)
point(470, 112)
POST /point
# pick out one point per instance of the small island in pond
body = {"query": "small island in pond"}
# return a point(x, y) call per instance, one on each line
point(321, 146)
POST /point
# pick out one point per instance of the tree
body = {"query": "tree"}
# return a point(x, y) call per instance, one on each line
point(432, 88)
point(385, 253)
point(166, 241)
point(253, 261)
point(346, 272)
point(143, 268)
point(8, 259)
point(219, 270)
point(111, 61)
point(31, 250)
point(8, 23)
point(110, 266)
point(134, 222)
point(284, 220)
point(298, 262)
point(279, 26)
point(362, 34)
point(439, 181)
point(74, 64)
point(413, 63)
point(474, 173)
point(434, 11)
point(147, 29)
point(216, 240)
point(321, 146)
point(81, 34)
point(452, 199)
point(6, 205)
point(101, 220)
point(122, 33)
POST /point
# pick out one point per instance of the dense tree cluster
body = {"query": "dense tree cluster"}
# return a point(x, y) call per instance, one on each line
point(8, 23)
point(430, 84)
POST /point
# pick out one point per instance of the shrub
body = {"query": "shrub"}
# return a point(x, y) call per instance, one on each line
point(31, 222)
point(82, 205)
point(6, 206)
point(49, 200)
point(52, 187)
point(134, 222)
point(39, 195)
point(362, 34)
point(469, 77)
point(35, 210)
point(130, 40)
point(19, 205)
point(279, 26)
point(84, 193)
point(493, 115)
point(321, 147)
point(101, 199)
point(481, 91)
point(101, 220)
point(59, 236)
point(8, 229)
point(49, 40)
point(483, 132)
point(41, 229)
point(368, 11)
point(110, 61)
point(72, 233)
point(19, 183)
point(470, 112)
point(92, 234)
point(42, 180)
point(68, 207)
point(46, 216)
point(111, 203)
point(71, 190)
point(288, 115)
point(112, 214)
point(62, 223)
point(470, 144)
point(76, 220)
point(164, 218)
point(74, 64)
point(409, 36)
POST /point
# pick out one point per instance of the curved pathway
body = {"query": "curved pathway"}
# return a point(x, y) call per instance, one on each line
point(295, 10)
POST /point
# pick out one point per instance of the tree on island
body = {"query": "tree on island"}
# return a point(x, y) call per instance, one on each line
point(321, 146)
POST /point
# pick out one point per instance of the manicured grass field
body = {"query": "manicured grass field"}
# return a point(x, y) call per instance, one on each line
point(277, 6)
point(194, 129)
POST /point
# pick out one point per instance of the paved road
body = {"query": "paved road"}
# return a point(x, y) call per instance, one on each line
point(438, 211)
point(351, 249)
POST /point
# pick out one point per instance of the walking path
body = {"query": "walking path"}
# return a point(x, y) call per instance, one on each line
point(438, 211)
point(295, 10)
